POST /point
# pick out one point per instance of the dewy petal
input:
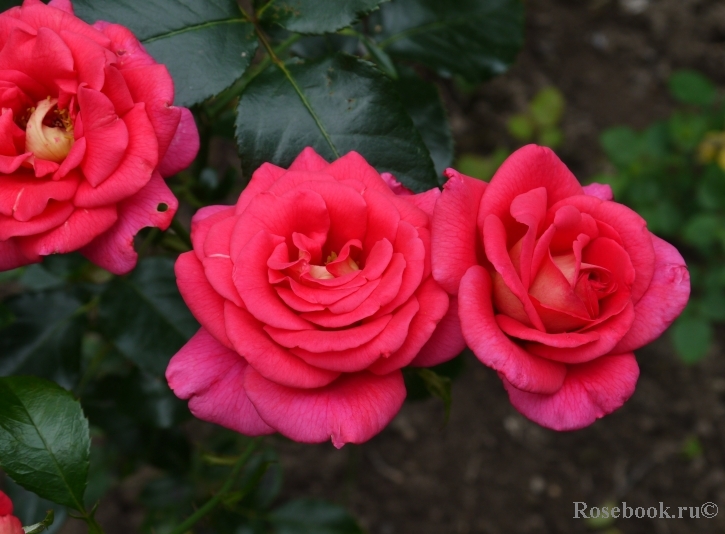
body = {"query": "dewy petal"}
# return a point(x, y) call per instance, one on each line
point(663, 301)
point(211, 376)
point(590, 391)
point(114, 249)
point(352, 409)
point(454, 234)
point(492, 347)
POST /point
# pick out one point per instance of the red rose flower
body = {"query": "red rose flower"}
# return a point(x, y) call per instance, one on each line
point(557, 285)
point(9, 524)
point(88, 133)
point(313, 292)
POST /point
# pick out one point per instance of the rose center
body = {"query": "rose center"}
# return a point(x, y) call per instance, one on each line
point(341, 267)
point(49, 131)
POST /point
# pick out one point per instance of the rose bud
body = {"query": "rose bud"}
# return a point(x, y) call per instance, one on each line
point(89, 134)
point(557, 285)
point(313, 292)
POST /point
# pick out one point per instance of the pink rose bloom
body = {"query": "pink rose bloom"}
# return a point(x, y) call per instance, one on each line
point(89, 133)
point(557, 285)
point(9, 524)
point(313, 292)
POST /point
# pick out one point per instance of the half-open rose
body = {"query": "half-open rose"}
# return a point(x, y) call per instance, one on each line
point(87, 133)
point(313, 292)
point(557, 285)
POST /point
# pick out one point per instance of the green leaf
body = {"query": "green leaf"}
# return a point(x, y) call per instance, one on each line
point(692, 337)
point(703, 231)
point(335, 105)
point(423, 103)
point(381, 58)
point(310, 516)
point(622, 145)
point(36, 278)
point(144, 315)
point(547, 107)
point(45, 337)
point(476, 39)
point(521, 127)
point(691, 87)
point(142, 396)
point(687, 129)
point(551, 136)
point(44, 439)
point(315, 17)
point(205, 44)
point(480, 167)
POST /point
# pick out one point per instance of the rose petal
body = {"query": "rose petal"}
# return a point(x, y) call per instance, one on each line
point(492, 347)
point(494, 240)
point(212, 377)
point(360, 358)
point(446, 342)
point(183, 147)
point(664, 299)
point(454, 235)
point(205, 304)
point(309, 160)
point(352, 409)
point(590, 391)
point(528, 168)
point(267, 357)
point(81, 228)
point(433, 303)
point(114, 249)
point(601, 191)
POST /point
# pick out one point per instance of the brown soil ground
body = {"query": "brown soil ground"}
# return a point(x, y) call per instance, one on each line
point(489, 470)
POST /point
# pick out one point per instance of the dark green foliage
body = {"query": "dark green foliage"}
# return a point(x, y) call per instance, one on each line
point(44, 441)
point(334, 105)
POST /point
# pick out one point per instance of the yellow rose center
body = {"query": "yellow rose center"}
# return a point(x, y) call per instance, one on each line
point(49, 135)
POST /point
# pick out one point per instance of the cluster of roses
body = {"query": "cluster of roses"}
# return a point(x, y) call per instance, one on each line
point(326, 279)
